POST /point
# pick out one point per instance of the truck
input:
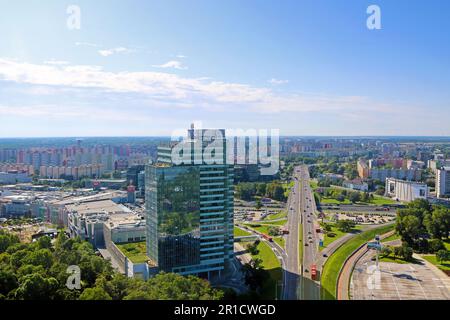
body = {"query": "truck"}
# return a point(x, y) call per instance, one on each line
point(268, 238)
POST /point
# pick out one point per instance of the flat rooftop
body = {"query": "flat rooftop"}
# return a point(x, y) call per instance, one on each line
point(94, 207)
point(135, 251)
point(125, 220)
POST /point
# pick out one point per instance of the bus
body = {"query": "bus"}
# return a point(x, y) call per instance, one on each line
point(313, 272)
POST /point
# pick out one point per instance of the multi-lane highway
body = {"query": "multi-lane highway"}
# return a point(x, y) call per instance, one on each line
point(309, 287)
point(292, 266)
point(301, 212)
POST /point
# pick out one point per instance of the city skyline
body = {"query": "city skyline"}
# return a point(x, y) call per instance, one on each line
point(309, 69)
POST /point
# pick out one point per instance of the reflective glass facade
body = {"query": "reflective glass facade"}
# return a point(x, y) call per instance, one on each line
point(190, 213)
point(173, 216)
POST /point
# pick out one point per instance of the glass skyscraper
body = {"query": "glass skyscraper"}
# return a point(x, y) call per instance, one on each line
point(190, 206)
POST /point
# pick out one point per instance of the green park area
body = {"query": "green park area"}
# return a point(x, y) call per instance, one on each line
point(273, 267)
point(335, 262)
point(135, 251)
point(393, 237)
point(238, 232)
point(331, 236)
point(276, 216)
point(280, 241)
point(264, 228)
point(336, 196)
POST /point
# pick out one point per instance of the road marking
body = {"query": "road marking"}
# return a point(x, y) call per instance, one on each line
point(395, 284)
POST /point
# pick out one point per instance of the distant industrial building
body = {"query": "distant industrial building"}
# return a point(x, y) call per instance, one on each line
point(14, 176)
point(405, 191)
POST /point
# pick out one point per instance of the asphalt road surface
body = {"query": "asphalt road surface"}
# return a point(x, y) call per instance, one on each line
point(309, 288)
point(292, 266)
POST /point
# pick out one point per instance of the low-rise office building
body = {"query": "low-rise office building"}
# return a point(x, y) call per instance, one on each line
point(405, 190)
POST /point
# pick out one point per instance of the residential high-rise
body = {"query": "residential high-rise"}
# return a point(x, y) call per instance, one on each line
point(190, 206)
point(443, 182)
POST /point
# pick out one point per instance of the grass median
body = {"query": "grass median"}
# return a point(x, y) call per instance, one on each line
point(335, 262)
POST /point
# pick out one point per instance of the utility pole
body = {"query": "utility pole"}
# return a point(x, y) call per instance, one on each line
point(377, 239)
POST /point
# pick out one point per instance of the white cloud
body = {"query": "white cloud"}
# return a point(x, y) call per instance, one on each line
point(171, 64)
point(278, 81)
point(87, 44)
point(109, 52)
point(160, 89)
point(56, 62)
point(181, 56)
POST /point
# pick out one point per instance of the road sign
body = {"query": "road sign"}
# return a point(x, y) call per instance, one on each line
point(321, 243)
point(374, 245)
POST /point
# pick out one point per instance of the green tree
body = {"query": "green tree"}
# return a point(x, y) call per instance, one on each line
point(6, 240)
point(345, 225)
point(36, 287)
point(438, 222)
point(261, 189)
point(255, 275)
point(435, 245)
point(386, 251)
point(442, 256)
point(273, 231)
point(355, 197)
point(409, 228)
point(95, 293)
point(8, 281)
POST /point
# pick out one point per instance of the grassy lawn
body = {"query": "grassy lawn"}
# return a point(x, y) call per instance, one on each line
point(261, 228)
point(264, 227)
point(273, 266)
point(325, 200)
point(335, 262)
point(280, 241)
point(275, 216)
point(447, 244)
point(276, 223)
point(432, 258)
point(379, 200)
point(238, 232)
point(287, 188)
point(135, 251)
point(300, 244)
point(327, 239)
point(390, 258)
point(391, 238)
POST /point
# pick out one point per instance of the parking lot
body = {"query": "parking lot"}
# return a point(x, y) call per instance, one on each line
point(362, 218)
point(397, 282)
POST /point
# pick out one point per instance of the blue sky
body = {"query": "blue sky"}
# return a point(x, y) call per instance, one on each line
point(150, 67)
